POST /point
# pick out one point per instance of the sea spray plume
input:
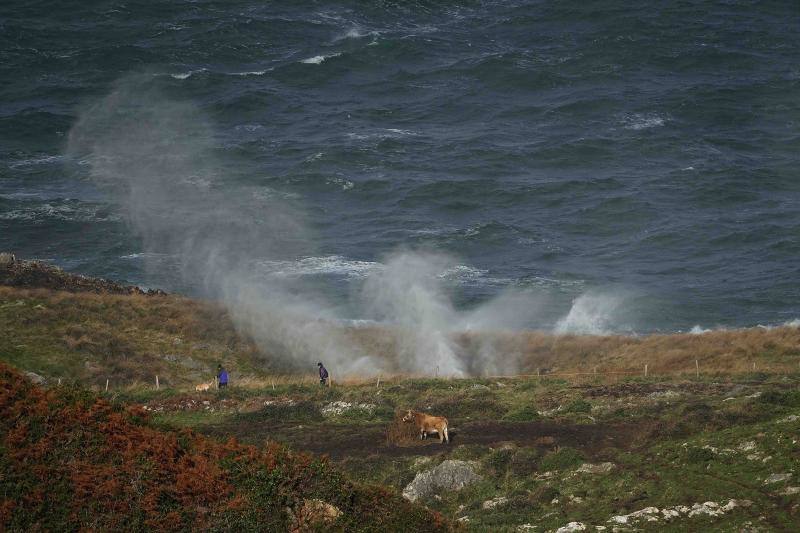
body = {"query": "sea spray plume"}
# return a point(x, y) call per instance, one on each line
point(594, 313)
point(486, 328)
point(157, 156)
point(409, 294)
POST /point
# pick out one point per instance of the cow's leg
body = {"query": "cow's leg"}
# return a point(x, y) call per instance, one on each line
point(446, 436)
point(421, 434)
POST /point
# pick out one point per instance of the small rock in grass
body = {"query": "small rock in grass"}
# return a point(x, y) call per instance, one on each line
point(790, 418)
point(599, 468)
point(790, 491)
point(747, 446)
point(572, 526)
point(35, 378)
point(495, 502)
point(777, 478)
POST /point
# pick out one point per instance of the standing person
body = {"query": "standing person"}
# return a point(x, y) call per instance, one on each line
point(323, 374)
point(222, 377)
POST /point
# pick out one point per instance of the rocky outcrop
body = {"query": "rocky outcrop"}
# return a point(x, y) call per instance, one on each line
point(448, 476)
point(39, 275)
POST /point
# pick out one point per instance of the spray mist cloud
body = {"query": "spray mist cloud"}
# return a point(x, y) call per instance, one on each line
point(158, 157)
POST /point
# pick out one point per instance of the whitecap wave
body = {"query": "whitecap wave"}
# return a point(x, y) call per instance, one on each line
point(643, 121)
point(63, 212)
point(35, 161)
point(331, 265)
point(250, 73)
point(698, 330)
point(342, 183)
point(317, 60)
point(188, 74)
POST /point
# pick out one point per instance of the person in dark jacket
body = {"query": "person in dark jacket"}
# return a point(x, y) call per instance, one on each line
point(323, 374)
point(222, 377)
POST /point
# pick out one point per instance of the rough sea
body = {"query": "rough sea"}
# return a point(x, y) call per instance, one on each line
point(635, 165)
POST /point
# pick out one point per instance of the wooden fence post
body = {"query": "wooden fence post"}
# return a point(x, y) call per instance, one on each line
point(106, 385)
point(645, 370)
point(697, 368)
point(157, 386)
point(378, 383)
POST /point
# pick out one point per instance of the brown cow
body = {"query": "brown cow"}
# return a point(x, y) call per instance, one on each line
point(428, 424)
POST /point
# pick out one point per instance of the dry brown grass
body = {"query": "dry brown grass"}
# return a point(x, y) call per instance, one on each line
point(724, 352)
point(92, 337)
point(128, 338)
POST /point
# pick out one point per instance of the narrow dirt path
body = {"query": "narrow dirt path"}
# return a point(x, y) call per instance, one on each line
point(343, 441)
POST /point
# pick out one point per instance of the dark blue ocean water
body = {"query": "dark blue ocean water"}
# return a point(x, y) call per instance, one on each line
point(644, 153)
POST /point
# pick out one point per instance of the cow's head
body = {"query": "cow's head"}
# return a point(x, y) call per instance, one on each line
point(409, 416)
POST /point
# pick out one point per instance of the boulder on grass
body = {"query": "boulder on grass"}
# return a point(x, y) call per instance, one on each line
point(450, 475)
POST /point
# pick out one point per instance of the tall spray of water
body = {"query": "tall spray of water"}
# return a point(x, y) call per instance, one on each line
point(160, 160)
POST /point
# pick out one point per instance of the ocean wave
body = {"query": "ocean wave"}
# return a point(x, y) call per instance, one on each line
point(35, 161)
point(63, 212)
point(342, 183)
point(317, 60)
point(250, 72)
point(387, 133)
point(188, 74)
point(356, 33)
point(331, 265)
point(145, 255)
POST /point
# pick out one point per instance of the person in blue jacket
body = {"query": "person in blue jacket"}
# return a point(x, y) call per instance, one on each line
point(323, 374)
point(222, 377)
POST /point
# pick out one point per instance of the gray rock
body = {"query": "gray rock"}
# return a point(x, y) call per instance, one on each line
point(448, 476)
point(35, 378)
point(777, 478)
point(599, 468)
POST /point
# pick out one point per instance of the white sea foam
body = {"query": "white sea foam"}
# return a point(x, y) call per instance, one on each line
point(251, 72)
point(188, 74)
point(35, 161)
point(331, 265)
point(316, 60)
point(642, 121)
point(697, 330)
point(62, 212)
point(342, 183)
point(145, 256)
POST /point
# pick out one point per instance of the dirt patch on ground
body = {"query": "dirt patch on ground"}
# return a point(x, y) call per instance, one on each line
point(362, 440)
